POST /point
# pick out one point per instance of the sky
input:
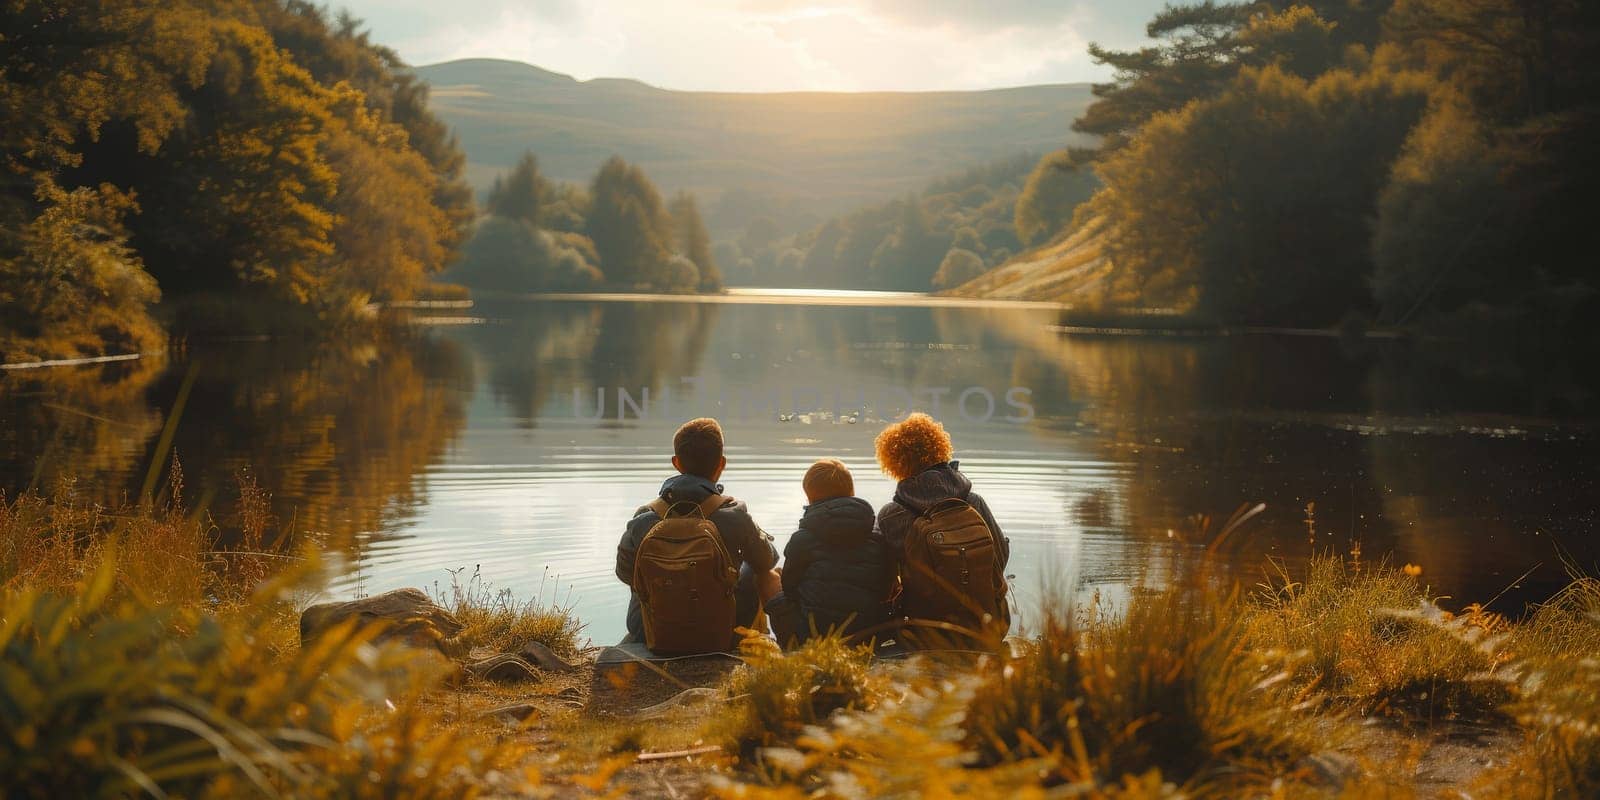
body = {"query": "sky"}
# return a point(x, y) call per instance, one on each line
point(771, 45)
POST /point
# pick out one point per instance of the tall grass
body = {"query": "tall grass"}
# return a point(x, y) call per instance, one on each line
point(776, 696)
point(1167, 687)
point(139, 659)
point(1376, 642)
point(1557, 681)
point(496, 619)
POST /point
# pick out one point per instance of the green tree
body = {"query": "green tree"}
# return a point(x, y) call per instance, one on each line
point(339, 49)
point(509, 255)
point(1202, 46)
point(908, 258)
point(630, 226)
point(1441, 240)
point(692, 240)
point(1297, 40)
point(1195, 58)
point(519, 194)
point(1257, 203)
point(958, 267)
point(70, 72)
point(1055, 189)
point(564, 207)
point(821, 266)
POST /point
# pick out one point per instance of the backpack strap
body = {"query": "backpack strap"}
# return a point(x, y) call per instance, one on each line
point(712, 503)
point(707, 506)
point(945, 505)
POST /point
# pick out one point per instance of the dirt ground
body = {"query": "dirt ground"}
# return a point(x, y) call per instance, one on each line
point(574, 730)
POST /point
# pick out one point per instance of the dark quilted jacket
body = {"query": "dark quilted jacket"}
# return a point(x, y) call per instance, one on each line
point(836, 566)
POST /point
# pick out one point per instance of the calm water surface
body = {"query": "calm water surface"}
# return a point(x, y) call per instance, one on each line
point(478, 443)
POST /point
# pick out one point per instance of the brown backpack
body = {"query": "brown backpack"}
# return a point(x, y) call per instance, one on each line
point(685, 578)
point(952, 570)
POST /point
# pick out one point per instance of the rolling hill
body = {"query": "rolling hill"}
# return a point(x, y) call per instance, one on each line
point(794, 157)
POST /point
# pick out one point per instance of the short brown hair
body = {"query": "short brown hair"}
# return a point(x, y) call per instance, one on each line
point(827, 479)
point(698, 446)
point(912, 445)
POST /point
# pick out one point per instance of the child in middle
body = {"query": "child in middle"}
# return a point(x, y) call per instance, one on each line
point(837, 573)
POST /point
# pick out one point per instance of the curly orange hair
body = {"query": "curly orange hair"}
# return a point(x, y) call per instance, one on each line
point(912, 445)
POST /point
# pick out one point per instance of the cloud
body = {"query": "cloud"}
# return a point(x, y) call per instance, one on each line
point(940, 13)
point(769, 45)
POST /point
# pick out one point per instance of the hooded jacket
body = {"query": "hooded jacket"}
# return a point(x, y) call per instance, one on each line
point(837, 569)
point(918, 493)
point(747, 544)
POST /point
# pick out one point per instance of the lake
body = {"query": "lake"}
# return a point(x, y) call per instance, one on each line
point(516, 439)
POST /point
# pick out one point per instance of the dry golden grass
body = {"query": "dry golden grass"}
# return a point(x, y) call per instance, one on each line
point(496, 619)
point(1375, 642)
point(775, 696)
point(137, 654)
point(139, 660)
point(1167, 687)
point(1557, 681)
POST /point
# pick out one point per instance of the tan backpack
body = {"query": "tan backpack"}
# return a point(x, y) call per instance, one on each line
point(952, 570)
point(685, 579)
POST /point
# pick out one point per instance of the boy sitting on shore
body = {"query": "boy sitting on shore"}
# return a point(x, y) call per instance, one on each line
point(837, 573)
point(699, 566)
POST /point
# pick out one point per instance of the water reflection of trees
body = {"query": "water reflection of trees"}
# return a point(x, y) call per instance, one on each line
point(528, 356)
point(87, 425)
point(539, 354)
point(1396, 446)
point(336, 433)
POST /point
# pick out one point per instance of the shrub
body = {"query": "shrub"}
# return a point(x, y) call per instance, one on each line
point(105, 697)
point(1558, 703)
point(1376, 642)
point(137, 659)
point(777, 695)
point(497, 620)
point(1167, 689)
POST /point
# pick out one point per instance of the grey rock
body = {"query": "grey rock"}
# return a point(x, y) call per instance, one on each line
point(514, 713)
point(504, 668)
point(544, 658)
point(408, 616)
point(687, 697)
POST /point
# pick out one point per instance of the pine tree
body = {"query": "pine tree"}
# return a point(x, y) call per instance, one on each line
point(518, 196)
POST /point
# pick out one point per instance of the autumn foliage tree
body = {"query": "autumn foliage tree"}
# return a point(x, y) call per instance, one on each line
point(241, 146)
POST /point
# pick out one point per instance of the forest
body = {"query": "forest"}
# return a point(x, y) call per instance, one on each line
point(1382, 162)
point(543, 235)
point(954, 230)
point(1336, 162)
point(196, 165)
point(243, 149)
point(1313, 164)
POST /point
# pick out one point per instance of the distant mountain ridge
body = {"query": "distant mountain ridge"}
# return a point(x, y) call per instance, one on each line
point(797, 157)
